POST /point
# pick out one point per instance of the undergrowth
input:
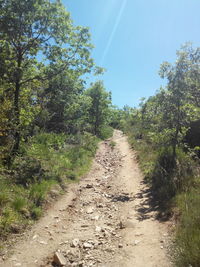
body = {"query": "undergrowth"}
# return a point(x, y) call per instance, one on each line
point(187, 240)
point(45, 162)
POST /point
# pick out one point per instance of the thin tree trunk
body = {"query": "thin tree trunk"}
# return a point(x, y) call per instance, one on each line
point(16, 145)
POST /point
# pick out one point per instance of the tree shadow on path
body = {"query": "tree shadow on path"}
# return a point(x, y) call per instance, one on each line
point(149, 206)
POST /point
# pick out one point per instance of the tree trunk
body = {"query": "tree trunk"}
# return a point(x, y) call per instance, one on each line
point(16, 145)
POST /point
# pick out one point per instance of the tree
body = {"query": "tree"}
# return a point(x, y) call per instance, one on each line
point(34, 31)
point(164, 119)
point(179, 106)
point(100, 107)
point(66, 105)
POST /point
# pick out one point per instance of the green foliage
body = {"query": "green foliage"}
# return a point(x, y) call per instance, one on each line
point(116, 117)
point(19, 203)
point(100, 109)
point(36, 213)
point(27, 170)
point(38, 191)
point(106, 132)
point(4, 198)
point(35, 87)
point(188, 233)
point(112, 144)
point(7, 218)
point(47, 159)
point(146, 160)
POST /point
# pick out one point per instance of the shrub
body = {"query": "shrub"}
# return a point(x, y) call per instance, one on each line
point(27, 170)
point(112, 144)
point(18, 203)
point(38, 192)
point(172, 175)
point(106, 132)
point(162, 176)
point(7, 218)
point(4, 198)
point(36, 213)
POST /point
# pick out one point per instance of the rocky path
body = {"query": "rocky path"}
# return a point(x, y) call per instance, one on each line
point(104, 221)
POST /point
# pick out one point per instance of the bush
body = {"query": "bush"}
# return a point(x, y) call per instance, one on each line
point(36, 213)
point(162, 177)
point(38, 192)
point(27, 170)
point(4, 198)
point(172, 175)
point(18, 203)
point(112, 144)
point(106, 132)
point(8, 217)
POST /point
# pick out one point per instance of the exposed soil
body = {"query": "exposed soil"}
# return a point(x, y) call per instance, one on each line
point(104, 221)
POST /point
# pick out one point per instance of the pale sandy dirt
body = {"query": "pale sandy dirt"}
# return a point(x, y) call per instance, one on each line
point(104, 220)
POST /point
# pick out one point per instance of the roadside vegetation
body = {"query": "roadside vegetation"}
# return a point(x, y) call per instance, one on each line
point(165, 132)
point(43, 170)
point(50, 122)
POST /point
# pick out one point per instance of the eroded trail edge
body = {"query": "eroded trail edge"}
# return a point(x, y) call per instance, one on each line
point(105, 220)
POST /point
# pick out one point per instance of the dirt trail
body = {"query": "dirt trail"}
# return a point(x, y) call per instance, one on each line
point(103, 221)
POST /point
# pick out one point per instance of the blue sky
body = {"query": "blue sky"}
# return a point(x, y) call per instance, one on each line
point(133, 37)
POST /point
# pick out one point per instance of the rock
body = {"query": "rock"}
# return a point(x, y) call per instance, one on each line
point(120, 246)
point(98, 229)
point(54, 193)
point(34, 237)
point(109, 250)
point(100, 205)
point(75, 243)
point(59, 259)
point(89, 186)
point(43, 242)
point(136, 242)
point(96, 218)
point(106, 234)
point(90, 210)
point(87, 245)
point(85, 225)
point(121, 225)
point(72, 256)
